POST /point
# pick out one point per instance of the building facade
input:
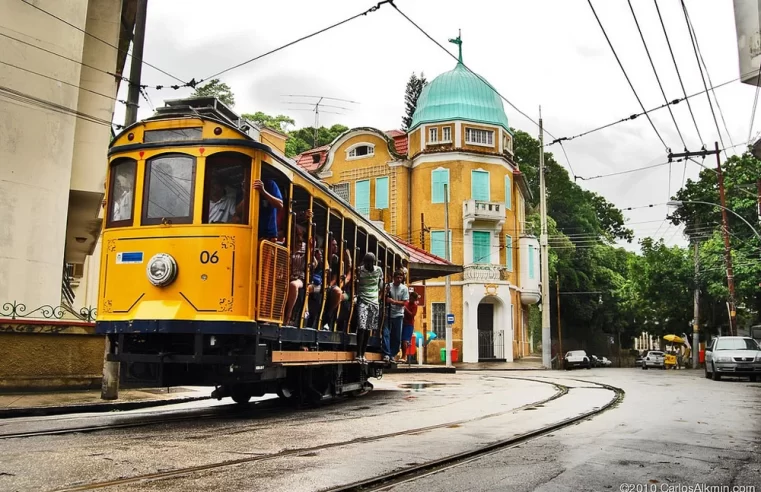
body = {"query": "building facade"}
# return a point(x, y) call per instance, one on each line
point(58, 90)
point(456, 159)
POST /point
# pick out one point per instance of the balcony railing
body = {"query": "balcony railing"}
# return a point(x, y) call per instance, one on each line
point(485, 273)
point(478, 210)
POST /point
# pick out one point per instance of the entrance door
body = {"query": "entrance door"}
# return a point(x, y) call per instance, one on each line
point(485, 331)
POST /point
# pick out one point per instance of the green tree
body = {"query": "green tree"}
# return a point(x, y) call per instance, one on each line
point(215, 88)
point(302, 139)
point(411, 94)
point(280, 122)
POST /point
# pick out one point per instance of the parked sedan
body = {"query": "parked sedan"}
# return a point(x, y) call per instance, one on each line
point(733, 356)
point(576, 358)
point(605, 362)
point(654, 358)
point(596, 361)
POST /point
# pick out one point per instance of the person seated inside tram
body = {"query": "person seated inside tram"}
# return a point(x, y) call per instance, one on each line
point(122, 199)
point(337, 281)
point(271, 200)
point(224, 205)
point(298, 264)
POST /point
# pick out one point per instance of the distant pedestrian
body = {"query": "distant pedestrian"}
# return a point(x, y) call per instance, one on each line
point(370, 280)
point(408, 325)
point(397, 296)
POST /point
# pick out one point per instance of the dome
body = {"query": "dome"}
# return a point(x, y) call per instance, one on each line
point(459, 95)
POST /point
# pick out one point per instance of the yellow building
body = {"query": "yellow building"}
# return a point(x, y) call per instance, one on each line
point(459, 140)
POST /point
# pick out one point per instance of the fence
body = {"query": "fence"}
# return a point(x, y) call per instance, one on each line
point(491, 345)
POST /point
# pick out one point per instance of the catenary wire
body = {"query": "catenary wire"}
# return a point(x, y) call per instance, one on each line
point(678, 74)
point(42, 103)
point(364, 13)
point(702, 77)
point(104, 42)
point(657, 78)
point(627, 171)
point(625, 74)
point(62, 82)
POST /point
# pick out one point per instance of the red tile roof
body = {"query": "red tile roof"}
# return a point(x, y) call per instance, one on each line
point(424, 265)
point(306, 159)
point(418, 255)
point(400, 141)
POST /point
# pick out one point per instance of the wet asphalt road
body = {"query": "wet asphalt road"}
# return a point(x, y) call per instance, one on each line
point(672, 428)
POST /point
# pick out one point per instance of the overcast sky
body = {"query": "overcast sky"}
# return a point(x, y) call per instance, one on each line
point(540, 52)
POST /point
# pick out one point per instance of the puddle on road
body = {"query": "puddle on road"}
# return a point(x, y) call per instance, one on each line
point(422, 386)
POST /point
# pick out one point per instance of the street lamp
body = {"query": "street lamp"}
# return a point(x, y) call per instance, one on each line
point(679, 203)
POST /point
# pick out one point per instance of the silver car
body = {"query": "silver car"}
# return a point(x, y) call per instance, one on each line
point(654, 358)
point(733, 356)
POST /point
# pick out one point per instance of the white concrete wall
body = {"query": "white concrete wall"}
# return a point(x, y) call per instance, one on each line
point(36, 149)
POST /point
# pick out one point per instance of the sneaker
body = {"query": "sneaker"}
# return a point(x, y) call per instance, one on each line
point(326, 328)
point(386, 358)
point(358, 358)
point(364, 360)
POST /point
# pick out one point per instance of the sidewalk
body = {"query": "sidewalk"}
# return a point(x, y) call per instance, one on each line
point(531, 363)
point(56, 403)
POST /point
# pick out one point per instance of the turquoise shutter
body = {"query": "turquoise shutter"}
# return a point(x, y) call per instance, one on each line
point(438, 247)
point(439, 178)
point(531, 261)
point(479, 185)
point(381, 193)
point(481, 247)
point(509, 253)
point(362, 197)
point(508, 193)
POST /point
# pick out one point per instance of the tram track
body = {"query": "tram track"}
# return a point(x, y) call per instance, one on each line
point(561, 390)
point(416, 472)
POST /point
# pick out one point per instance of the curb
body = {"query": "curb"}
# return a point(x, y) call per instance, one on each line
point(504, 369)
point(420, 370)
point(6, 413)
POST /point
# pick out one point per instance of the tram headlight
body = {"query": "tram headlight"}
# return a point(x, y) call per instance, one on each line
point(161, 270)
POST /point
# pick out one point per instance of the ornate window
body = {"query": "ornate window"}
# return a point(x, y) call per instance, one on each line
point(343, 190)
point(479, 137)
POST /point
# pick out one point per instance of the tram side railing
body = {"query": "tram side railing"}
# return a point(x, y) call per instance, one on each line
point(273, 281)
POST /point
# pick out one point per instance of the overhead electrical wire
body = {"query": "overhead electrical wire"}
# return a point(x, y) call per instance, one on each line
point(42, 103)
point(105, 42)
point(364, 13)
point(510, 103)
point(708, 76)
point(657, 78)
point(702, 77)
point(628, 171)
point(678, 74)
point(626, 75)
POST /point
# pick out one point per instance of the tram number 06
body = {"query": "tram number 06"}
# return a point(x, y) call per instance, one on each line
point(207, 257)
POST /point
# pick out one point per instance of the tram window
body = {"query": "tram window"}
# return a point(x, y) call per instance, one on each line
point(172, 135)
point(270, 197)
point(226, 189)
point(122, 193)
point(169, 189)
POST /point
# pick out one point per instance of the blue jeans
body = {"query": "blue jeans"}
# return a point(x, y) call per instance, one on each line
point(392, 336)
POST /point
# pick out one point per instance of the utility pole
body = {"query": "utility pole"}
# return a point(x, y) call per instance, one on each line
point(727, 248)
point(448, 283)
point(696, 311)
point(560, 331)
point(316, 120)
point(136, 69)
point(725, 229)
point(423, 230)
point(546, 332)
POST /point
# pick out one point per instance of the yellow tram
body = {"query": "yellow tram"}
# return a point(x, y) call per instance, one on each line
point(199, 263)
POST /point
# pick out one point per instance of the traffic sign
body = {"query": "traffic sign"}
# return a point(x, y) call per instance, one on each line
point(450, 319)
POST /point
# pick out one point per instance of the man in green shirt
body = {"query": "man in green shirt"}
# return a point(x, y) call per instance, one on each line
point(370, 281)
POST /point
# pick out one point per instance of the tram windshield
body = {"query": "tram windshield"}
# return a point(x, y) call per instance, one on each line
point(122, 196)
point(169, 189)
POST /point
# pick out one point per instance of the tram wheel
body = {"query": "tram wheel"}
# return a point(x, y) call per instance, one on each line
point(285, 393)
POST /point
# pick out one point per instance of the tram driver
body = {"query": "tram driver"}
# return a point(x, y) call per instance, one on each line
point(224, 207)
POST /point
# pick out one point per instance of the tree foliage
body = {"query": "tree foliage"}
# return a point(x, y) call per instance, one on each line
point(414, 87)
point(302, 139)
point(280, 122)
point(215, 88)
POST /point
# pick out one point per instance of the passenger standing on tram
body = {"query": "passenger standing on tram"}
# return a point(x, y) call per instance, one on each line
point(271, 201)
point(397, 296)
point(298, 265)
point(370, 280)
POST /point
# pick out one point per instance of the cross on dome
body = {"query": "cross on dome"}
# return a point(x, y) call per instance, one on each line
point(458, 42)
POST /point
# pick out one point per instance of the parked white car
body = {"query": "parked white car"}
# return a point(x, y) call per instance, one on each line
point(733, 356)
point(654, 358)
point(576, 358)
point(605, 362)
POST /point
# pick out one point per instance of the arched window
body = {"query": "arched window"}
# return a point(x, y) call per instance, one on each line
point(360, 150)
point(121, 193)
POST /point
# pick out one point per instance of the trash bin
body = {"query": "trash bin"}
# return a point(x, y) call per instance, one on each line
point(702, 356)
point(443, 354)
point(455, 354)
point(411, 350)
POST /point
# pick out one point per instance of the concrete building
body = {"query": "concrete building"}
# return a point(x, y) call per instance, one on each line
point(459, 137)
point(57, 96)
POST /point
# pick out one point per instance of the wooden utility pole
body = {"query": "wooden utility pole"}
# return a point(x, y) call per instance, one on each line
point(560, 331)
point(136, 69)
point(727, 248)
point(696, 310)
